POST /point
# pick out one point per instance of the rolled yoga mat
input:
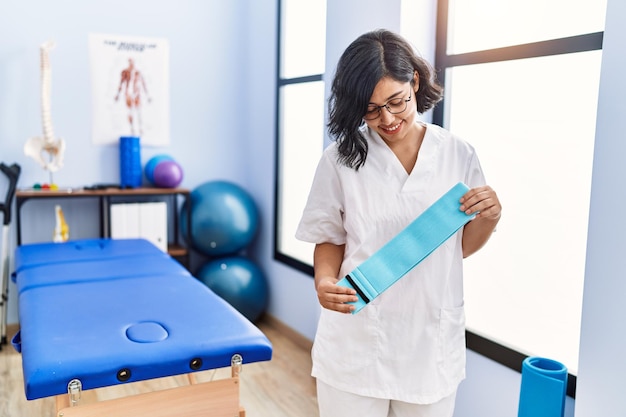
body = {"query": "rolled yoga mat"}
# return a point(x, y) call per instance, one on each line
point(408, 248)
point(543, 389)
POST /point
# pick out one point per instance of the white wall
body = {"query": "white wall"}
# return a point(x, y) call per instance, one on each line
point(603, 333)
point(206, 77)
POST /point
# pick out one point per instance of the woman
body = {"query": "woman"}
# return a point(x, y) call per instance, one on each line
point(404, 353)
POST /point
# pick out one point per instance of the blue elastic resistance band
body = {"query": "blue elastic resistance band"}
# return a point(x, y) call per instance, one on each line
point(408, 248)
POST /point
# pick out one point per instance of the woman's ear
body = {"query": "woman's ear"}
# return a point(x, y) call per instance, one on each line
point(416, 81)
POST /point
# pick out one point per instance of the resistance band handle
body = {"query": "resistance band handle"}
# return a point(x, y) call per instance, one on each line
point(357, 289)
point(13, 173)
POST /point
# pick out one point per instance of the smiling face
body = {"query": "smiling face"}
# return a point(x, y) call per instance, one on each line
point(390, 94)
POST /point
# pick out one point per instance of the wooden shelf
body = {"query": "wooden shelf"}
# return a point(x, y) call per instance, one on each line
point(177, 250)
point(175, 247)
point(27, 193)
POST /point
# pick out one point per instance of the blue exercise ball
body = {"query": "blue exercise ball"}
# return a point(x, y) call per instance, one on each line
point(224, 218)
point(151, 165)
point(238, 281)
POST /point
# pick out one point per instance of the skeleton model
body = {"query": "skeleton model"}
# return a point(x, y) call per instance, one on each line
point(46, 150)
point(61, 230)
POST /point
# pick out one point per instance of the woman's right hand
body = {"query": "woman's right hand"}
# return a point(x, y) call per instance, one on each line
point(335, 297)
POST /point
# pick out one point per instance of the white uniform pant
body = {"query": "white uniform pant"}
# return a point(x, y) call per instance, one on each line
point(336, 403)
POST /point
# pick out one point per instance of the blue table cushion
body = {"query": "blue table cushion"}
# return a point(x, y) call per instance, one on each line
point(136, 328)
point(67, 272)
point(33, 254)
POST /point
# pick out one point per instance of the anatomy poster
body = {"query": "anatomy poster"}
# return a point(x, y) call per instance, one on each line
point(130, 89)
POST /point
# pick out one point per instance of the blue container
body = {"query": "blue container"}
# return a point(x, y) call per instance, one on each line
point(543, 388)
point(130, 162)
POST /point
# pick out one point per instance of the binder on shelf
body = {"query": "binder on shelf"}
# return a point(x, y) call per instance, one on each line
point(140, 220)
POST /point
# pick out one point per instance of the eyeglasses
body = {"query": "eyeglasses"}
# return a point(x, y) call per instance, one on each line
point(394, 106)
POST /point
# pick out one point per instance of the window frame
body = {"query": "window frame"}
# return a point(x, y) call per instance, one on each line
point(280, 83)
point(572, 44)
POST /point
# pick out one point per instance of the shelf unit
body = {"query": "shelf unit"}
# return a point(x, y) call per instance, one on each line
point(176, 247)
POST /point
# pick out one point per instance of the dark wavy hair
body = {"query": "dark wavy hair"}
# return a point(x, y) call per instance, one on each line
point(369, 58)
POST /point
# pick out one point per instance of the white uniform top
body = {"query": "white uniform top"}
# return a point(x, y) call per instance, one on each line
point(408, 344)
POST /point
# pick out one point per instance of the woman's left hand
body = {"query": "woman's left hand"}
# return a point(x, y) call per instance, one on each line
point(483, 202)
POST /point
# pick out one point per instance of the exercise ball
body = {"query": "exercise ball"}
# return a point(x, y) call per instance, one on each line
point(224, 218)
point(167, 174)
point(151, 165)
point(238, 281)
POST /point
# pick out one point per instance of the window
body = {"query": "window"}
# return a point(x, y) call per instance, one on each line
point(521, 81)
point(300, 121)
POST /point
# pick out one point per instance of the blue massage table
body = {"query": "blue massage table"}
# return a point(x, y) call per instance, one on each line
point(101, 312)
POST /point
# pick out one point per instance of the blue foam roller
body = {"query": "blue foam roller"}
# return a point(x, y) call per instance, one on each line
point(543, 389)
point(130, 162)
